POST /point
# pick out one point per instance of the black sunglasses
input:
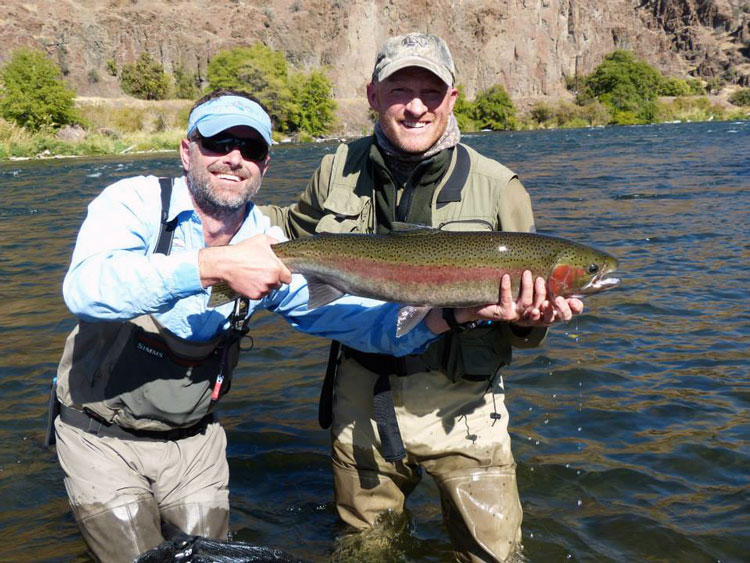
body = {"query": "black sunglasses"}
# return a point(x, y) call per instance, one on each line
point(250, 149)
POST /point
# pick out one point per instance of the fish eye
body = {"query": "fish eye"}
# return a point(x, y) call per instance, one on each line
point(592, 269)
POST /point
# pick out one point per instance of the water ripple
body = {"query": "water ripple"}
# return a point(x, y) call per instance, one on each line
point(629, 424)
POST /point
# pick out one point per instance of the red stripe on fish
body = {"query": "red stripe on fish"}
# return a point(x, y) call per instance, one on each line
point(417, 274)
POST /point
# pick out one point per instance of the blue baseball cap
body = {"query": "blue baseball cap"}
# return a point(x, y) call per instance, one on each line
point(219, 114)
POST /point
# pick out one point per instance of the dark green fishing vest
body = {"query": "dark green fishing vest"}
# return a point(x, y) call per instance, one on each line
point(474, 193)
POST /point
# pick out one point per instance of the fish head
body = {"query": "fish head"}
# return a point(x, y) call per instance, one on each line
point(582, 270)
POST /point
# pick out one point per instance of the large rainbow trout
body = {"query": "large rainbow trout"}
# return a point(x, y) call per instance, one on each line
point(425, 267)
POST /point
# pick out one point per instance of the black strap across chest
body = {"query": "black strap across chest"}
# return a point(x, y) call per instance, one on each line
point(455, 184)
point(164, 244)
point(239, 319)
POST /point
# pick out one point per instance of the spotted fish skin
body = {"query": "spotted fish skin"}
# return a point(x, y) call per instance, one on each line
point(429, 267)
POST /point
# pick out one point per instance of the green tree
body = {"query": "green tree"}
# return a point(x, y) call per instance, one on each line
point(493, 109)
point(314, 104)
point(671, 86)
point(295, 101)
point(627, 85)
point(463, 110)
point(541, 113)
point(185, 84)
point(696, 87)
point(262, 72)
point(145, 79)
point(32, 92)
point(741, 97)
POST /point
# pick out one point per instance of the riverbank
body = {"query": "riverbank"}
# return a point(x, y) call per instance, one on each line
point(113, 126)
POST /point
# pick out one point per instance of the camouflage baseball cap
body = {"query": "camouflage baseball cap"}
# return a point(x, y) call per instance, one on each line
point(415, 49)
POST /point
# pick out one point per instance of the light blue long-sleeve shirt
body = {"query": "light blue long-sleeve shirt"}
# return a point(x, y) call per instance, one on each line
point(115, 276)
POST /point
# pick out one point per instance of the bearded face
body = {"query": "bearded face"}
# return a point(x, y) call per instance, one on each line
point(221, 188)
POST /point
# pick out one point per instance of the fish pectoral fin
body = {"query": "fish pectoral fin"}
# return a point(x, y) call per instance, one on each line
point(409, 316)
point(221, 293)
point(321, 293)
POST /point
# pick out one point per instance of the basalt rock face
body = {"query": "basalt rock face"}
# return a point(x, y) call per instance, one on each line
point(713, 36)
point(528, 46)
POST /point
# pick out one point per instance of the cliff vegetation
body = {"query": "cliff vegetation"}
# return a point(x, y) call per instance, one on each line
point(134, 66)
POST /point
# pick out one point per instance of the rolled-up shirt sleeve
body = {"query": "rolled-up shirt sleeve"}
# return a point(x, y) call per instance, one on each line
point(113, 275)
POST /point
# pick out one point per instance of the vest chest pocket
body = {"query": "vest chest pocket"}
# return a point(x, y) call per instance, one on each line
point(346, 213)
point(475, 355)
point(480, 223)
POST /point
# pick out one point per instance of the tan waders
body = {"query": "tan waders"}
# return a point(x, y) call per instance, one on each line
point(126, 493)
point(453, 432)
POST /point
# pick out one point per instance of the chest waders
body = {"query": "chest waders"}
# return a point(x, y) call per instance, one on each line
point(140, 376)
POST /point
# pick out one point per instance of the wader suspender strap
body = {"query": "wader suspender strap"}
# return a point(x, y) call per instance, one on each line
point(325, 404)
point(452, 189)
point(384, 412)
point(164, 244)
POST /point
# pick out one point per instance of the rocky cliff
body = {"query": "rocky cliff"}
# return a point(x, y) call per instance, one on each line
point(529, 46)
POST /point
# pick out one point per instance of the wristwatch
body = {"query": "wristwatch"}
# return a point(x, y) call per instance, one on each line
point(449, 316)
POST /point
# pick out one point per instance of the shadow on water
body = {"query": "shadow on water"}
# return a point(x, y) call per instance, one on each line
point(629, 424)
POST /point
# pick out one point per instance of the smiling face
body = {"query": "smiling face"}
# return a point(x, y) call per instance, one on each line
point(222, 184)
point(413, 107)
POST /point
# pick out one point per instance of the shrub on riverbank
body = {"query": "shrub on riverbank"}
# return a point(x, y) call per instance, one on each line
point(17, 142)
point(297, 102)
point(689, 109)
point(491, 109)
point(596, 114)
point(626, 85)
point(622, 90)
point(32, 92)
point(463, 110)
point(631, 89)
point(122, 116)
point(741, 97)
point(314, 110)
point(565, 115)
point(145, 79)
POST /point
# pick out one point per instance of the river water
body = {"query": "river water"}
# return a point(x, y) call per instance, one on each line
point(630, 424)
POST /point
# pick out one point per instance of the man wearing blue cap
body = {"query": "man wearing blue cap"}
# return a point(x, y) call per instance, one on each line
point(144, 369)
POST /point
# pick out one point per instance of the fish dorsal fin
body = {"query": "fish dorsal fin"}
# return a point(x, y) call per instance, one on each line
point(399, 228)
point(321, 293)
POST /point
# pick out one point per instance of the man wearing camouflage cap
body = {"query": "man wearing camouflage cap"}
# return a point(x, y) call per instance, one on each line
point(441, 411)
